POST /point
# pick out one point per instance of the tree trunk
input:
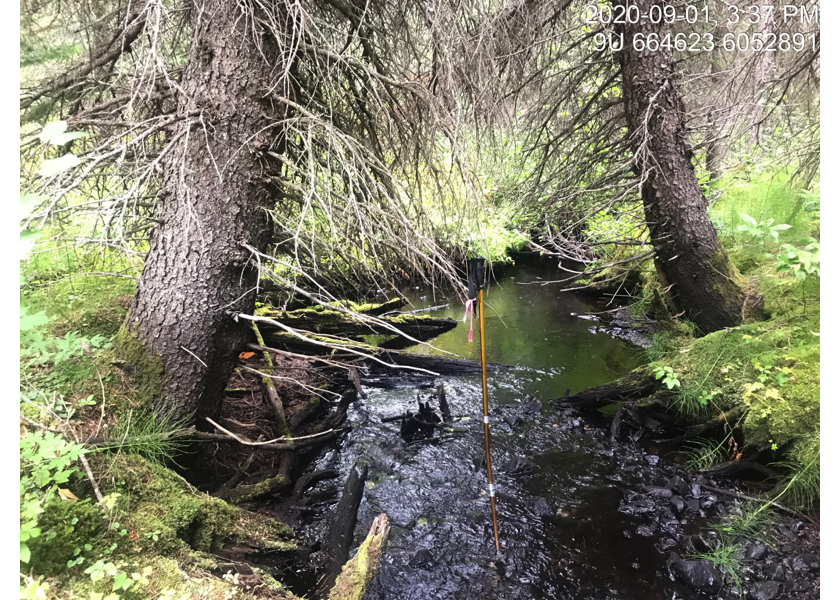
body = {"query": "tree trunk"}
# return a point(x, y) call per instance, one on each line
point(716, 116)
point(197, 272)
point(702, 282)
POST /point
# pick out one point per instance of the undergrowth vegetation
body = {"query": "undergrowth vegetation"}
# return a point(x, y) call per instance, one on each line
point(763, 377)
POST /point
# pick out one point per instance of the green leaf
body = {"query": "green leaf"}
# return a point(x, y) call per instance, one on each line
point(28, 321)
point(58, 165)
point(25, 554)
point(749, 219)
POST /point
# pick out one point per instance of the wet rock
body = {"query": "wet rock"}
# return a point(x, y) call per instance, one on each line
point(541, 507)
point(699, 574)
point(775, 572)
point(812, 560)
point(532, 408)
point(678, 485)
point(805, 562)
point(666, 543)
point(479, 463)
point(696, 490)
point(755, 551)
point(517, 466)
point(659, 492)
point(677, 505)
point(422, 559)
point(513, 420)
point(644, 531)
point(708, 502)
point(765, 590)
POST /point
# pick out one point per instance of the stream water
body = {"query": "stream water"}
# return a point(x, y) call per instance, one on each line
point(560, 482)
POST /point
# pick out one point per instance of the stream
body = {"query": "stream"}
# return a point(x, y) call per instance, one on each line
point(560, 482)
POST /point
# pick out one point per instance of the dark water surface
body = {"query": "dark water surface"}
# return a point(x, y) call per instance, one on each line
point(559, 480)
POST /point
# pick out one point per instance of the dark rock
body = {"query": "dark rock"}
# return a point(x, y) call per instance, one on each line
point(765, 590)
point(517, 466)
point(692, 505)
point(677, 505)
point(644, 531)
point(678, 485)
point(534, 408)
point(812, 560)
point(708, 501)
point(423, 559)
point(541, 507)
point(699, 574)
point(696, 491)
point(659, 492)
point(775, 572)
point(755, 551)
point(513, 420)
point(805, 562)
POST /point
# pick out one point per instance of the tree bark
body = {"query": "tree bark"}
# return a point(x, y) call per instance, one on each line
point(702, 282)
point(197, 272)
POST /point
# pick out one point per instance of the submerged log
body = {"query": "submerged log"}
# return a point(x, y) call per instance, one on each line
point(340, 537)
point(355, 576)
point(637, 384)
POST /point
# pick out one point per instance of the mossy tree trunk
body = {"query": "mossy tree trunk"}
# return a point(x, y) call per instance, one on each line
point(702, 282)
point(198, 272)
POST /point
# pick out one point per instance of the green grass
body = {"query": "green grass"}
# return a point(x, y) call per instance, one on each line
point(764, 197)
point(703, 454)
point(753, 521)
point(725, 557)
point(138, 432)
point(800, 490)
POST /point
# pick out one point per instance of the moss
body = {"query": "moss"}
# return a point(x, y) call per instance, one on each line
point(773, 368)
point(274, 585)
point(249, 492)
point(66, 526)
point(357, 572)
point(144, 368)
point(156, 499)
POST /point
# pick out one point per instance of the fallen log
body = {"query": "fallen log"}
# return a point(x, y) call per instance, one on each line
point(729, 417)
point(438, 365)
point(244, 493)
point(414, 312)
point(331, 322)
point(731, 467)
point(307, 481)
point(191, 434)
point(633, 386)
point(357, 573)
point(339, 540)
point(271, 391)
